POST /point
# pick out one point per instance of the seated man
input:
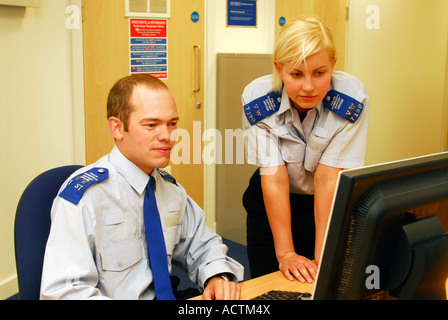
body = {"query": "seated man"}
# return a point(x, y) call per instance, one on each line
point(104, 220)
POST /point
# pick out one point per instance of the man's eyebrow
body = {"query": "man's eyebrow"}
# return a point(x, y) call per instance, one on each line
point(158, 120)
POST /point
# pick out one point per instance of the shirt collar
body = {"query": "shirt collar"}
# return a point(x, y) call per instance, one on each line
point(285, 103)
point(135, 176)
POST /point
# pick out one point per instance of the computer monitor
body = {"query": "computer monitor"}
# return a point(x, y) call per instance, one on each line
point(388, 232)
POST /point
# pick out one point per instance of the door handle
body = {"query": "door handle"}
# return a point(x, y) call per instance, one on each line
point(197, 50)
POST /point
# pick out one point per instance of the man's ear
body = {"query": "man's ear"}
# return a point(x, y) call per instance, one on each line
point(116, 128)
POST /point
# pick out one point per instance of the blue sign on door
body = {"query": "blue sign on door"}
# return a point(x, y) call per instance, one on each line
point(242, 13)
point(195, 16)
point(282, 21)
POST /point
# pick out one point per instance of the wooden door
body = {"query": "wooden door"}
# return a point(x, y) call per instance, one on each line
point(333, 13)
point(106, 59)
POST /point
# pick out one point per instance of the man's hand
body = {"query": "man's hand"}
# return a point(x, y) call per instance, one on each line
point(220, 289)
point(292, 265)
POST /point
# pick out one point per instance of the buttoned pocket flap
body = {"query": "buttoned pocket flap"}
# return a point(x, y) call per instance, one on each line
point(320, 132)
point(282, 131)
point(174, 206)
point(292, 151)
point(122, 255)
point(113, 218)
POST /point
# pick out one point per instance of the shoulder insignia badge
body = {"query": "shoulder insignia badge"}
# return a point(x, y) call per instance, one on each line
point(262, 107)
point(165, 175)
point(343, 105)
point(76, 187)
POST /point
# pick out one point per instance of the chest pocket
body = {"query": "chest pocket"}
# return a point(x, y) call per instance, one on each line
point(122, 255)
point(120, 242)
point(317, 143)
point(292, 149)
point(171, 227)
point(118, 227)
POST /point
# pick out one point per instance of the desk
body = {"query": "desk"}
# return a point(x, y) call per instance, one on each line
point(273, 281)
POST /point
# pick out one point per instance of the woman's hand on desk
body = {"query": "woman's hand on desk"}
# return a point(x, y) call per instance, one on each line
point(294, 266)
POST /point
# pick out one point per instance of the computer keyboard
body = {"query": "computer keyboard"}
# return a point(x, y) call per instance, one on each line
point(283, 295)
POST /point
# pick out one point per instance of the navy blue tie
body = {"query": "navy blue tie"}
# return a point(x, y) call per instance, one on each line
point(156, 245)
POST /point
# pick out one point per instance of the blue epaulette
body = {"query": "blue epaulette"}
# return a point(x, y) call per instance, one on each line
point(343, 105)
point(165, 175)
point(76, 187)
point(262, 107)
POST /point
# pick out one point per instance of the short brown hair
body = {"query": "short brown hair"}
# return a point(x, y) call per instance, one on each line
point(119, 99)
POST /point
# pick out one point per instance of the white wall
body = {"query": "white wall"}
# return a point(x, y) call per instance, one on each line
point(222, 39)
point(41, 106)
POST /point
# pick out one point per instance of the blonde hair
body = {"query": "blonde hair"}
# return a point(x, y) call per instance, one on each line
point(298, 39)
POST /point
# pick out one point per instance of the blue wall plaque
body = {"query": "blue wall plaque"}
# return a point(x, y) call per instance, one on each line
point(241, 13)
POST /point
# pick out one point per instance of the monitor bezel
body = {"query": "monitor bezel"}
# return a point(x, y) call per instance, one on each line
point(346, 181)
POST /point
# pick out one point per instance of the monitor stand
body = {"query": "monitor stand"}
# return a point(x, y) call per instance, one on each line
point(420, 270)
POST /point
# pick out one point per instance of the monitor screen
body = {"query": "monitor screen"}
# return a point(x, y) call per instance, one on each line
point(388, 232)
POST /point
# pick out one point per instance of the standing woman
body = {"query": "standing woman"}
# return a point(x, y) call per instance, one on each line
point(304, 124)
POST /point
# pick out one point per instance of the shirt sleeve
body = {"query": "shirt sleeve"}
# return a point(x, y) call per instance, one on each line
point(262, 146)
point(201, 251)
point(347, 149)
point(69, 270)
